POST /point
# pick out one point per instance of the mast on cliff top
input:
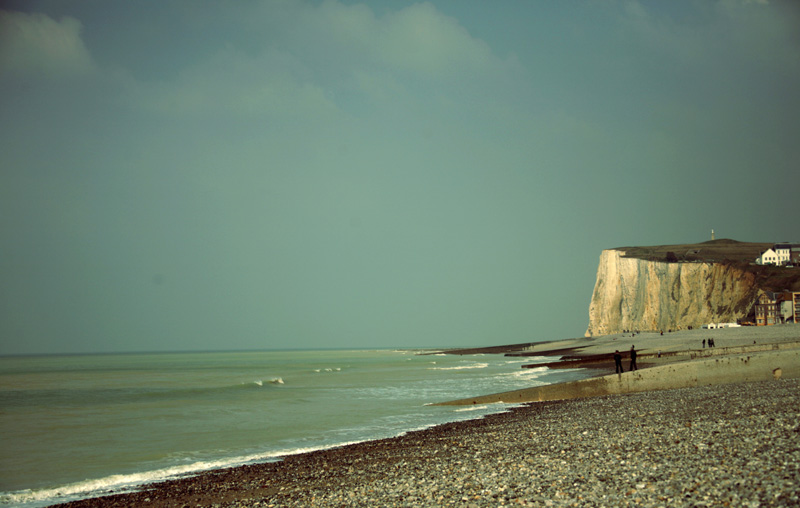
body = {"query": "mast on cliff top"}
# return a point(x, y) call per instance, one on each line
point(712, 234)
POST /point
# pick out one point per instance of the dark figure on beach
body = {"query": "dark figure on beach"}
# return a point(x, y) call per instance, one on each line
point(704, 343)
point(618, 362)
point(633, 358)
point(711, 342)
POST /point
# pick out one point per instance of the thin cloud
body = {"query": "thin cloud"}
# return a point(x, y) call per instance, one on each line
point(418, 38)
point(231, 82)
point(40, 45)
point(422, 39)
point(334, 56)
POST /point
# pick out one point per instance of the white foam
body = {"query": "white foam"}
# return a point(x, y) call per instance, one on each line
point(470, 408)
point(535, 370)
point(462, 367)
point(531, 359)
point(121, 483)
point(528, 374)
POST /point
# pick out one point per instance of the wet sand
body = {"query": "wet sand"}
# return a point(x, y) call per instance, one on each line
point(652, 342)
point(666, 361)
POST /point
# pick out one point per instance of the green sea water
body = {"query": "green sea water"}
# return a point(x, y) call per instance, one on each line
point(78, 426)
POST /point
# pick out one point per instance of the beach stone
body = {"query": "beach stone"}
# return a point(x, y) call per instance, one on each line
point(738, 449)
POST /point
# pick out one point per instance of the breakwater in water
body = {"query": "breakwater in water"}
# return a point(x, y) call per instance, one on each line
point(712, 371)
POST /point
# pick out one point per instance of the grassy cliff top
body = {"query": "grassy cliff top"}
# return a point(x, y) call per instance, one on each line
point(741, 254)
point(712, 251)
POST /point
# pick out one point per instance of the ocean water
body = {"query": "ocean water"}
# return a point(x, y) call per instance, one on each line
point(80, 426)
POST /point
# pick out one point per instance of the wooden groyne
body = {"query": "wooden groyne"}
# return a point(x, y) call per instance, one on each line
point(606, 360)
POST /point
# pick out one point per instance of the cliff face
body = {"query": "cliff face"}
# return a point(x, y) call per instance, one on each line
point(636, 294)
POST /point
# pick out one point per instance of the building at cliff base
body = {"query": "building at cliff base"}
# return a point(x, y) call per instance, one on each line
point(777, 308)
point(715, 326)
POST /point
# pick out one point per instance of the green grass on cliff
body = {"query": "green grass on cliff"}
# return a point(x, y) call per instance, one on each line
point(714, 251)
point(740, 254)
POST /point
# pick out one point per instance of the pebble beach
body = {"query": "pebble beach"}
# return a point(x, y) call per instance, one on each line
point(723, 445)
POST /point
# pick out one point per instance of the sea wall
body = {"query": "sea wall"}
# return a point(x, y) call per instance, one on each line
point(637, 294)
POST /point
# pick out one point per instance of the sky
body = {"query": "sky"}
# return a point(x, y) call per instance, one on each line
point(196, 175)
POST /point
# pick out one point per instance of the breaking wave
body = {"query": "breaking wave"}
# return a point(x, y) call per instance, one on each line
point(462, 367)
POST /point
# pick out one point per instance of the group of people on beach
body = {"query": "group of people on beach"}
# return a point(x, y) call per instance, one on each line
point(710, 343)
point(618, 360)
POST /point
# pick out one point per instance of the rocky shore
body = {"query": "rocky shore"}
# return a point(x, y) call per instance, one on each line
point(724, 445)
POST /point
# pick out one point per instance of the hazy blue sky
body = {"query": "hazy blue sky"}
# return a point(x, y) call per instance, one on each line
point(274, 174)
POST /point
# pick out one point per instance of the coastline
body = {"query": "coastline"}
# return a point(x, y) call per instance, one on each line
point(665, 361)
point(701, 446)
point(735, 420)
point(703, 372)
point(105, 441)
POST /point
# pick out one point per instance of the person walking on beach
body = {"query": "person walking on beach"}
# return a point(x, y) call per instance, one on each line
point(633, 358)
point(618, 362)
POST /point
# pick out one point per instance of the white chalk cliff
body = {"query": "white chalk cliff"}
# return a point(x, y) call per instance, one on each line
point(636, 294)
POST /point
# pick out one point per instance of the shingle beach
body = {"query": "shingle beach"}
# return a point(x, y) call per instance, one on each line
point(721, 445)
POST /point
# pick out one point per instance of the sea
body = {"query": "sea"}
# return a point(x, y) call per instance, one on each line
point(79, 426)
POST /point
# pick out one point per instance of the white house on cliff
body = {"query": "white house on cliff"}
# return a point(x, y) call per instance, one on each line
point(780, 254)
